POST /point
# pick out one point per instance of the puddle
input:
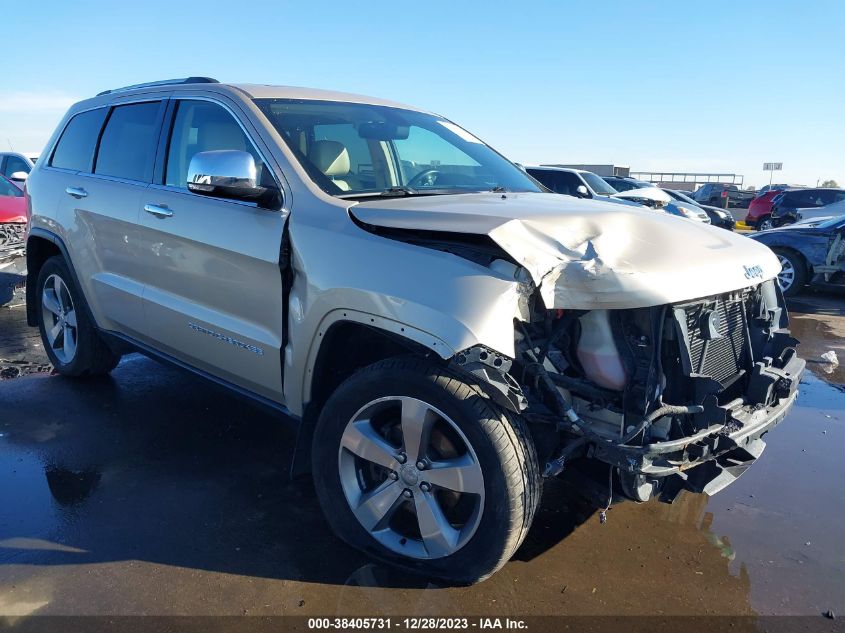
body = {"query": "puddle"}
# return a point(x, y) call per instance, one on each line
point(155, 492)
point(137, 494)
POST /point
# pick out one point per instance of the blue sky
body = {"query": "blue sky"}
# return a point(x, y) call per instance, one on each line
point(697, 86)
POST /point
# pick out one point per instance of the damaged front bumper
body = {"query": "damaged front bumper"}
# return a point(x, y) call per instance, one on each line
point(716, 456)
point(12, 244)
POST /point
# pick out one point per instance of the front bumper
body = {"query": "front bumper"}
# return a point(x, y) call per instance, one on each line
point(714, 457)
point(12, 275)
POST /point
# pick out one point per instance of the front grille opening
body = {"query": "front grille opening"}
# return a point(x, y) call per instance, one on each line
point(718, 350)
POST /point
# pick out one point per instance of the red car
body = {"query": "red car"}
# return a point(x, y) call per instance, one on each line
point(12, 220)
point(760, 211)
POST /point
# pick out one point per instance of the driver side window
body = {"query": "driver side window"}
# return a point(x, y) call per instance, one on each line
point(202, 126)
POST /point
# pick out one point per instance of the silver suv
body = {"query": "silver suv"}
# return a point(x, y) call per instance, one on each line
point(444, 331)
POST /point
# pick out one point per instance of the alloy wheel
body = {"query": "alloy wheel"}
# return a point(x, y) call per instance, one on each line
point(59, 317)
point(786, 277)
point(765, 224)
point(411, 477)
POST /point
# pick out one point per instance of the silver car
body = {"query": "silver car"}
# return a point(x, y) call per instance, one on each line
point(445, 334)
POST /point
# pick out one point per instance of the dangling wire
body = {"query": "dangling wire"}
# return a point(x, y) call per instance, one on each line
point(603, 513)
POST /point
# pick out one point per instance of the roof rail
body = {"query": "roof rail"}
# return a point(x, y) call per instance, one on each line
point(163, 82)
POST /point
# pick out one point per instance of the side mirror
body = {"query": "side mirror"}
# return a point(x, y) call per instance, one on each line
point(228, 173)
point(582, 192)
point(19, 176)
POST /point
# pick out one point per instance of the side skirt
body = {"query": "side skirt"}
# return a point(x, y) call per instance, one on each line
point(125, 344)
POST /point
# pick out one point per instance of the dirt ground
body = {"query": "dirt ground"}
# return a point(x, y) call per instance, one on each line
point(153, 492)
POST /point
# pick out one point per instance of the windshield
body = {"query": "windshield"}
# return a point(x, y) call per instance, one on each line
point(597, 184)
point(354, 149)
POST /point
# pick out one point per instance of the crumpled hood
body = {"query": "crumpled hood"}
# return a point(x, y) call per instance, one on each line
point(585, 254)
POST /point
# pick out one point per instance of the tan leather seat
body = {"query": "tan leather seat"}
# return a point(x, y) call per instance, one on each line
point(331, 158)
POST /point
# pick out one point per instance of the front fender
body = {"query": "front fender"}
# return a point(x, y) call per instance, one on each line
point(444, 333)
point(436, 299)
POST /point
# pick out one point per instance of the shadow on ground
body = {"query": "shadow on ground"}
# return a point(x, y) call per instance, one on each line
point(175, 471)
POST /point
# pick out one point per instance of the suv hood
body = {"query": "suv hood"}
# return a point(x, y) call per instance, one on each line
point(586, 254)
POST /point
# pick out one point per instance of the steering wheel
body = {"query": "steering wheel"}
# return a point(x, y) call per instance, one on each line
point(426, 178)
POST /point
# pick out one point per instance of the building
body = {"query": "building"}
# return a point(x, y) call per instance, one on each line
point(600, 170)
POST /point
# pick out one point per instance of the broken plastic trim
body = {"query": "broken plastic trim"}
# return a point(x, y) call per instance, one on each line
point(490, 370)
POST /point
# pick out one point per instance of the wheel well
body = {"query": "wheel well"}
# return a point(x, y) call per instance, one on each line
point(38, 251)
point(345, 348)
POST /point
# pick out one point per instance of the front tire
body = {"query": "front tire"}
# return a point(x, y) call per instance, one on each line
point(793, 274)
point(417, 467)
point(765, 223)
point(71, 340)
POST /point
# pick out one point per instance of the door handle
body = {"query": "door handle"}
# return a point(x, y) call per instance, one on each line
point(76, 192)
point(159, 211)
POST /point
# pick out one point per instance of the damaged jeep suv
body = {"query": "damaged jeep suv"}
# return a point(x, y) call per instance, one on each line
point(444, 331)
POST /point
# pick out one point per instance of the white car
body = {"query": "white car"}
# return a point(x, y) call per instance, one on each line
point(817, 213)
point(586, 184)
point(638, 191)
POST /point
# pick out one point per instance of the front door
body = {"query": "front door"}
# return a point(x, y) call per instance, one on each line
point(213, 287)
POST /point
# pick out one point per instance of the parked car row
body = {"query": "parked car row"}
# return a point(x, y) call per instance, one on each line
point(776, 208)
point(718, 217)
point(722, 195)
point(585, 184)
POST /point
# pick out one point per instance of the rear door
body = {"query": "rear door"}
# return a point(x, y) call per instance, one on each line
point(101, 205)
point(213, 287)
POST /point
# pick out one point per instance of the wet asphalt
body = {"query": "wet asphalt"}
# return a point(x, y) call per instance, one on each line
point(154, 492)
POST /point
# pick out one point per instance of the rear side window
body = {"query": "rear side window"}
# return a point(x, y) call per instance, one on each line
point(829, 196)
point(544, 176)
point(75, 149)
point(810, 198)
point(127, 149)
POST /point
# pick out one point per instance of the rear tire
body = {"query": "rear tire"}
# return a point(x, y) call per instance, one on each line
point(793, 275)
point(364, 448)
point(71, 340)
point(765, 223)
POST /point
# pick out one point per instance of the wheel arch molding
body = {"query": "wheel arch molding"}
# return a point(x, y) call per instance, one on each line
point(41, 245)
